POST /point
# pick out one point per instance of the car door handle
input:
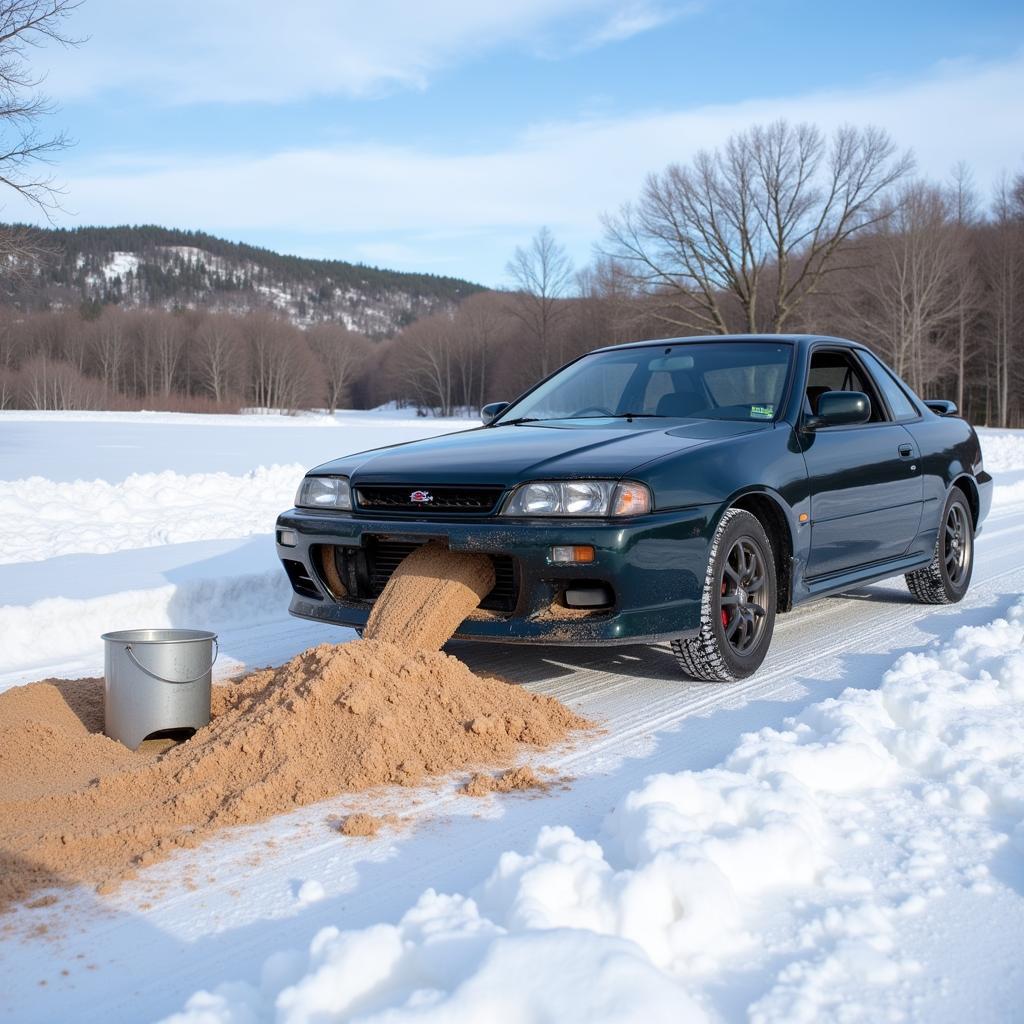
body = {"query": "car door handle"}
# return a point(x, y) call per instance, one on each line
point(906, 450)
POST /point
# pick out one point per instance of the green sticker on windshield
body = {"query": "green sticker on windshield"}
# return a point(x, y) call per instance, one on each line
point(762, 412)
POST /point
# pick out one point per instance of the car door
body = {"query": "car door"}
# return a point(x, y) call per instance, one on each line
point(865, 479)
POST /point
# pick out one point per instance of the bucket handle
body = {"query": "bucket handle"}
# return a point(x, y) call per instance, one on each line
point(138, 664)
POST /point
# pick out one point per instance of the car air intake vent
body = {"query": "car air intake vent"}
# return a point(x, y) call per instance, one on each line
point(300, 579)
point(430, 501)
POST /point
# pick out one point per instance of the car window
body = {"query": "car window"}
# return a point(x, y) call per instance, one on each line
point(901, 406)
point(834, 370)
point(717, 380)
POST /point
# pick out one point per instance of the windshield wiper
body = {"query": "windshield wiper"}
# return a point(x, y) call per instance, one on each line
point(516, 422)
point(623, 416)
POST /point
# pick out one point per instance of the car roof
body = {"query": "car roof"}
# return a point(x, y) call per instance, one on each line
point(800, 340)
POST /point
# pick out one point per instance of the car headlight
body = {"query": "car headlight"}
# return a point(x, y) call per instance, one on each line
point(579, 498)
point(324, 492)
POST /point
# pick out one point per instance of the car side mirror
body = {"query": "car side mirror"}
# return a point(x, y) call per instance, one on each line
point(840, 409)
point(490, 412)
point(941, 406)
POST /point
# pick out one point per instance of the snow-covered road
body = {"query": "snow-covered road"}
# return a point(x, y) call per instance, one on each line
point(879, 893)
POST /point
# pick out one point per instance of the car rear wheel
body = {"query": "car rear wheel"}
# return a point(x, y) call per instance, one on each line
point(946, 580)
point(737, 605)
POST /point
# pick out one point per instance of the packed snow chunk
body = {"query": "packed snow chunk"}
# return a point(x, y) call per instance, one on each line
point(443, 962)
point(835, 746)
point(311, 891)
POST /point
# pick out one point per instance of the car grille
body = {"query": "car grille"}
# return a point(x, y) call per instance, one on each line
point(444, 500)
point(367, 570)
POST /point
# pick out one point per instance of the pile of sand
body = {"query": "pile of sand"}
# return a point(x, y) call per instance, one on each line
point(76, 806)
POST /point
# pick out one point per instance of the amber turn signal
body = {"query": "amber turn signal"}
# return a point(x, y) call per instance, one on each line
point(631, 499)
point(564, 553)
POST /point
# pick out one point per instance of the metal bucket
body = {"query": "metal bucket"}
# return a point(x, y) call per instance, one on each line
point(156, 680)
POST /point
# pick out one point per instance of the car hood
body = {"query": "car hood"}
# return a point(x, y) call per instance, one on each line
point(556, 449)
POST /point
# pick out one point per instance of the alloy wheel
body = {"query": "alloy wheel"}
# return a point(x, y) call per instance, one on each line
point(744, 589)
point(956, 551)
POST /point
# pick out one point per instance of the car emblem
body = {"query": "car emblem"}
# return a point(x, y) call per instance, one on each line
point(421, 497)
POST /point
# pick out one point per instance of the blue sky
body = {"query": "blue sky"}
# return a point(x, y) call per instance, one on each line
point(437, 136)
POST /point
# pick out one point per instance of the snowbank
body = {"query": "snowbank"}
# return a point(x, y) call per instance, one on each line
point(757, 867)
point(54, 629)
point(1002, 450)
point(44, 518)
point(267, 418)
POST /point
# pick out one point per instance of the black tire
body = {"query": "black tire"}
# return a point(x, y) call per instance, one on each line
point(736, 619)
point(946, 580)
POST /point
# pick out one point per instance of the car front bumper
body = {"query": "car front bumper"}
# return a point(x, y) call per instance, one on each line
point(654, 564)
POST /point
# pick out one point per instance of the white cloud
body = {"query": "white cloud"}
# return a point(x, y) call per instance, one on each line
point(563, 174)
point(632, 20)
point(196, 51)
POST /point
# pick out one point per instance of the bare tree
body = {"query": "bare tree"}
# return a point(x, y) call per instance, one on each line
point(24, 149)
point(22, 249)
point(482, 322)
point(109, 346)
point(543, 274)
point(340, 353)
point(10, 338)
point(430, 363)
point(8, 388)
point(167, 342)
point(51, 384)
point(906, 301)
point(282, 371)
point(964, 200)
point(1005, 272)
point(761, 221)
point(217, 355)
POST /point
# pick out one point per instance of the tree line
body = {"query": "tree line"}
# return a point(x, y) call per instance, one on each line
point(783, 229)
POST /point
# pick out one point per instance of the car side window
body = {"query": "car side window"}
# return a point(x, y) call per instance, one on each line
point(835, 370)
point(902, 407)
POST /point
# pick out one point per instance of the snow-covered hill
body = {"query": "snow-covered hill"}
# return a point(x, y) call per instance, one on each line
point(155, 267)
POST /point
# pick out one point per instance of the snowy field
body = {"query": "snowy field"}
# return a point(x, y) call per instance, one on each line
point(839, 838)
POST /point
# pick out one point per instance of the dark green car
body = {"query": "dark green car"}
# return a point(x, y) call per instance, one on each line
point(682, 490)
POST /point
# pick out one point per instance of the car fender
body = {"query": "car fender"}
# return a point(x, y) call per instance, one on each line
point(795, 542)
point(966, 481)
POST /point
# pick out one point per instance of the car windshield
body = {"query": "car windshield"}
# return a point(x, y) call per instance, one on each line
point(717, 380)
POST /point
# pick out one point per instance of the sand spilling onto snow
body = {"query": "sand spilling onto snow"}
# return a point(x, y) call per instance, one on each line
point(76, 806)
point(429, 594)
point(521, 777)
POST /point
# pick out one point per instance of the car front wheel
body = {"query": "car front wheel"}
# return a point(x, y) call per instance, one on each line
point(737, 604)
point(946, 580)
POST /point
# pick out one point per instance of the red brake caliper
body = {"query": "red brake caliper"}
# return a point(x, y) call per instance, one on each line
point(725, 614)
